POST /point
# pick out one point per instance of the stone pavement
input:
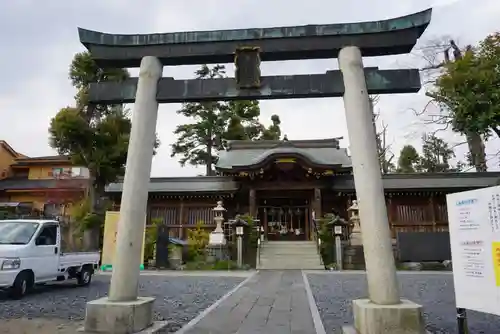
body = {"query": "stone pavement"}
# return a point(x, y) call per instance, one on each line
point(273, 302)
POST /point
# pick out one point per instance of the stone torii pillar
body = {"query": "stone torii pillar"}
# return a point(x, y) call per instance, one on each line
point(384, 312)
point(123, 312)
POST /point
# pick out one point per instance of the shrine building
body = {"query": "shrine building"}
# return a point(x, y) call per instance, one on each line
point(287, 183)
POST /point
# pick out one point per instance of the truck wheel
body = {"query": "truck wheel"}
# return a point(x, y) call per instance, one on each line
point(84, 277)
point(22, 284)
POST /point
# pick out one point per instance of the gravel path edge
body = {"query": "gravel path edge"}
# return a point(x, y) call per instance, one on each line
point(200, 316)
point(318, 323)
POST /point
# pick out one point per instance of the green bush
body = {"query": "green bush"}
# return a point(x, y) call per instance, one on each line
point(224, 265)
point(254, 235)
point(327, 248)
point(197, 240)
point(151, 238)
point(201, 264)
point(250, 242)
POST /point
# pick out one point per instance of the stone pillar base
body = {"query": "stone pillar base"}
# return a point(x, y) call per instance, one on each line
point(354, 258)
point(104, 316)
point(370, 318)
point(216, 253)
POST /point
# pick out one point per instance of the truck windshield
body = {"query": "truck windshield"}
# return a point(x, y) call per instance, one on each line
point(16, 233)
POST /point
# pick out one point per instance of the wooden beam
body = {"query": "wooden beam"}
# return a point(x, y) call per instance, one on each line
point(266, 185)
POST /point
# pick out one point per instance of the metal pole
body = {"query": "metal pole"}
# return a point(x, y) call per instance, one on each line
point(240, 251)
point(338, 252)
point(258, 252)
point(462, 321)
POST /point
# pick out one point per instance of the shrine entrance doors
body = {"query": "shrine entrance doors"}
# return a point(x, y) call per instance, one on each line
point(284, 219)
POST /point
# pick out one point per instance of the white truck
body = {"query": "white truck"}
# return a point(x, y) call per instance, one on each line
point(31, 254)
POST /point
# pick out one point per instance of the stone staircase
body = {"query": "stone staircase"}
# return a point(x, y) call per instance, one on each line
point(289, 255)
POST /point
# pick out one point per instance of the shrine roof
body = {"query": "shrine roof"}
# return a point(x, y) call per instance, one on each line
point(392, 182)
point(253, 154)
point(423, 181)
point(207, 184)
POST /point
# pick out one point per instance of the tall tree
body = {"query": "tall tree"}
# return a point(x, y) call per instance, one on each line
point(438, 54)
point(436, 155)
point(242, 122)
point(477, 150)
point(197, 142)
point(409, 160)
point(273, 131)
point(214, 124)
point(470, 86)
point(93, 136)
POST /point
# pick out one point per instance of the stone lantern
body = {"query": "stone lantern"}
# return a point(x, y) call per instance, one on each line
point(217, 236)
point(355, 236)
point(354, 253)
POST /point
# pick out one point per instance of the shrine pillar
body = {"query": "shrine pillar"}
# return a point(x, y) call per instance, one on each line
point(123, 311)
point(383, 312)
point(252, 203)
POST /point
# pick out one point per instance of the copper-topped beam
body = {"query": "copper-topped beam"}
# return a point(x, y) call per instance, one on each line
point(374, 38)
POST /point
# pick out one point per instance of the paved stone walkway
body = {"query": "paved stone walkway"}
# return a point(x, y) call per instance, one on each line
point(273, 302)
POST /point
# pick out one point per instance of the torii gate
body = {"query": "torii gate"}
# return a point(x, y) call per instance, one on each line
point(247, 48)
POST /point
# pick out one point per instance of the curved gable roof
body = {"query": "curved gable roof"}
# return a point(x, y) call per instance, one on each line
point(325, 153)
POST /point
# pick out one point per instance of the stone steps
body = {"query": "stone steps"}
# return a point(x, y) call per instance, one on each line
point(282, 255)
point(289, 251)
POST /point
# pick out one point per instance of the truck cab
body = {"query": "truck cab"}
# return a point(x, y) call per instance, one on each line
point(30, 254)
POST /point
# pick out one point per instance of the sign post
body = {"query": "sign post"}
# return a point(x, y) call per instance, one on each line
point(474, 222)
point(338, 246)
point(463, 328)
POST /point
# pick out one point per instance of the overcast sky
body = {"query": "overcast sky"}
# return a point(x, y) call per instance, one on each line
point(39, 38)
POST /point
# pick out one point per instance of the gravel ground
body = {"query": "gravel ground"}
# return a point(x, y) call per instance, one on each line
point(39, 326)
point(333, 293)
point(179, 299)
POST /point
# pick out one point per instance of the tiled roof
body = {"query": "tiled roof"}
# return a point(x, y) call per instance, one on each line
point(185, 184)
point(426, 181)
point(27, 184)
point(211, 184)
point(51, 159)
point(47, 157)
point(325, 152)
point(10, 149)
point(436, 181)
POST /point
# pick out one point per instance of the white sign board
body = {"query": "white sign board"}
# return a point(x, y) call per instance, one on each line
point(474, 218)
